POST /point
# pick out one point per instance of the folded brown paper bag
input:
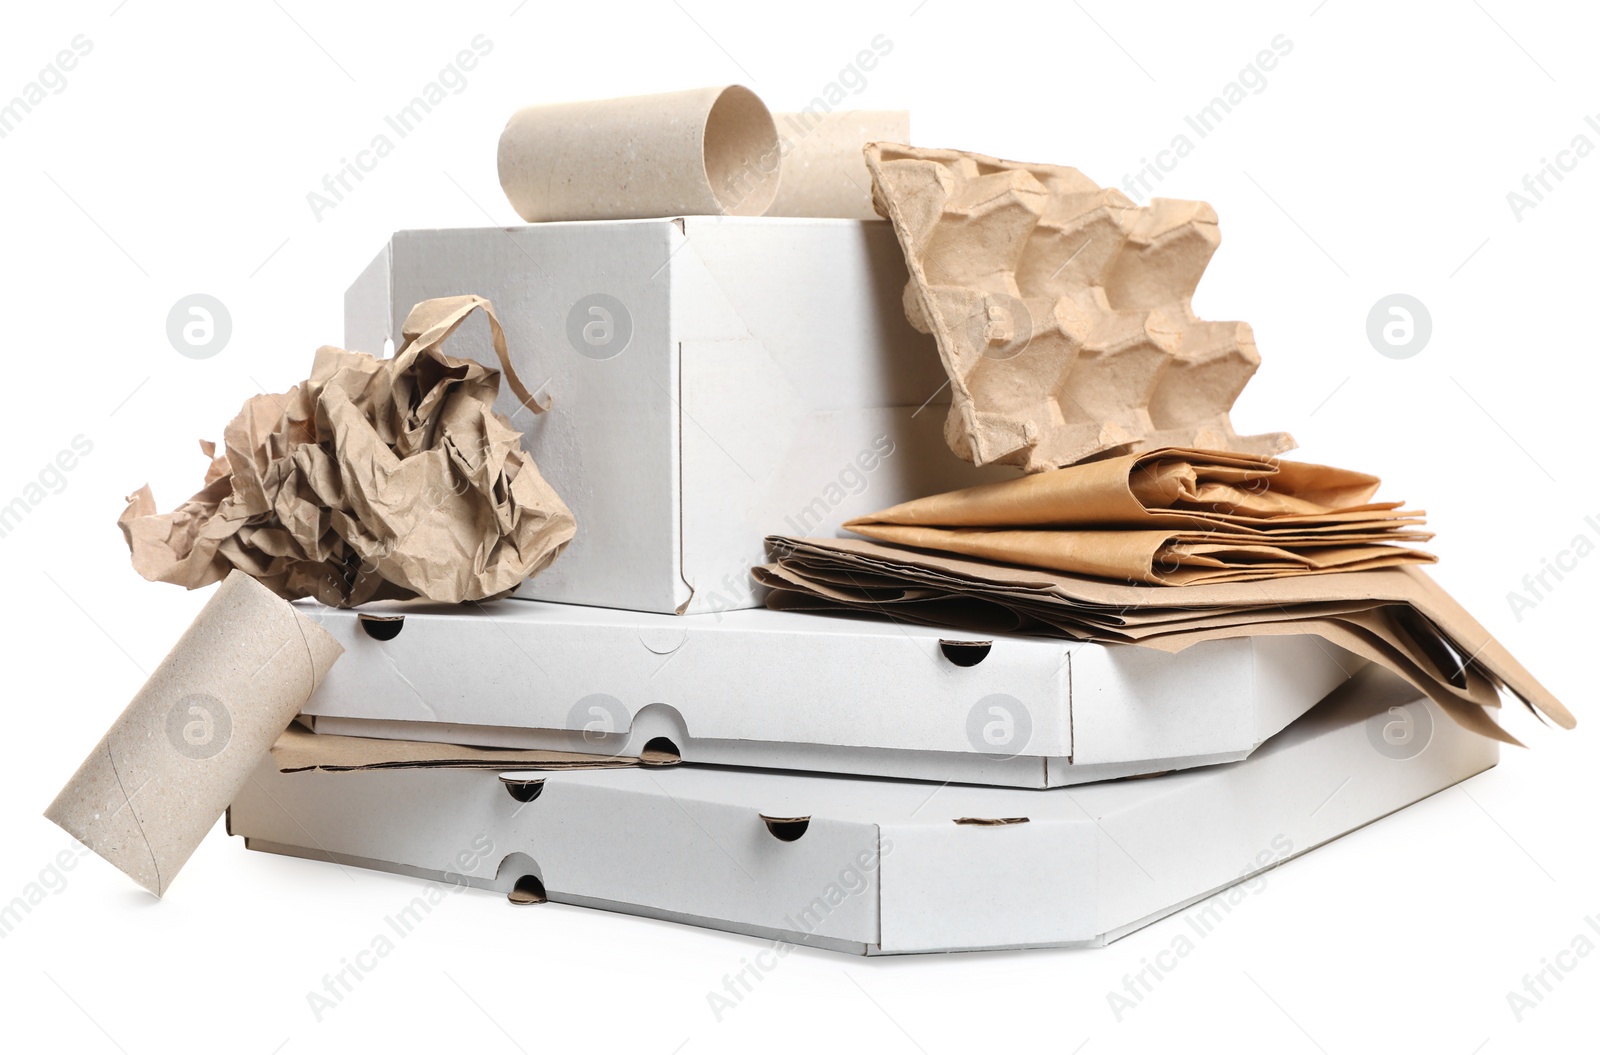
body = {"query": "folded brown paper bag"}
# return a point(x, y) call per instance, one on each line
point(1396, 616)
point(162, 775)
point(376, 479)
point(1172, 517)
point(1159, 558)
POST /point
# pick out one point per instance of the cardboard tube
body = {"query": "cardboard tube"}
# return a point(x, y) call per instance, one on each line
point(706, 152)
point(163, 774)
point(824, 172)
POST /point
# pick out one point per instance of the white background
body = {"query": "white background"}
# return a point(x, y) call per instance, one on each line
point(1376, 160)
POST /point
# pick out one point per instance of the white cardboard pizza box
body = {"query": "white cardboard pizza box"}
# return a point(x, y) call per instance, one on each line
point(819, 693)
point(712, 380)
point(873, 866)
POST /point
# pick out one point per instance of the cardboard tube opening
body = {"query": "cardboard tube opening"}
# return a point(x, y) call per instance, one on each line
point(741, 154)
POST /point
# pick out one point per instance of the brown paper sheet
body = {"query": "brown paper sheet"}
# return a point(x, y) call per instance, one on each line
point(1159, 558)
point(705, 152)
point(299, 749)
point(165, 771)
point(1172, 517)
point(376, 479)
point(824, 173)
point(1062, 310)
point(1396, 616)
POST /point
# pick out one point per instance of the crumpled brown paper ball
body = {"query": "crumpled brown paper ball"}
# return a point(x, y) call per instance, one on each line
point(377, 479)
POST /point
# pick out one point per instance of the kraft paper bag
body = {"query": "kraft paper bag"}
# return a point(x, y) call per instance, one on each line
point(1172, 517)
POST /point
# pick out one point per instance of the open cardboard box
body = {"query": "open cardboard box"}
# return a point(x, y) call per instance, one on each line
point(828, 693)
point(872, 866)
point(712, 380)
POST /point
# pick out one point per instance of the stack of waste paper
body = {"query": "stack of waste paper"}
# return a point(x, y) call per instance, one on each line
point(793, 532)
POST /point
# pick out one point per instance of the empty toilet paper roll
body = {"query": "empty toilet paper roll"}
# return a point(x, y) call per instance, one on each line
point(159, 779)
point(824, 172)
point(705, 152)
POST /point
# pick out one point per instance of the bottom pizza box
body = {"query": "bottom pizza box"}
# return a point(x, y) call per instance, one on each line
point(874, 866)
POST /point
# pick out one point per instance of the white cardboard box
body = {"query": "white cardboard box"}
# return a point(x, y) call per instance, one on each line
point(828, 693)
point(714, 380)
point(871, 866)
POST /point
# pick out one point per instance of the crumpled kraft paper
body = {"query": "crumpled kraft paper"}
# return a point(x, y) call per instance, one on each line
point(161, 776)
point(1396, 616)
point(1170, 517)
point(1062, 310)
point(377, 479)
